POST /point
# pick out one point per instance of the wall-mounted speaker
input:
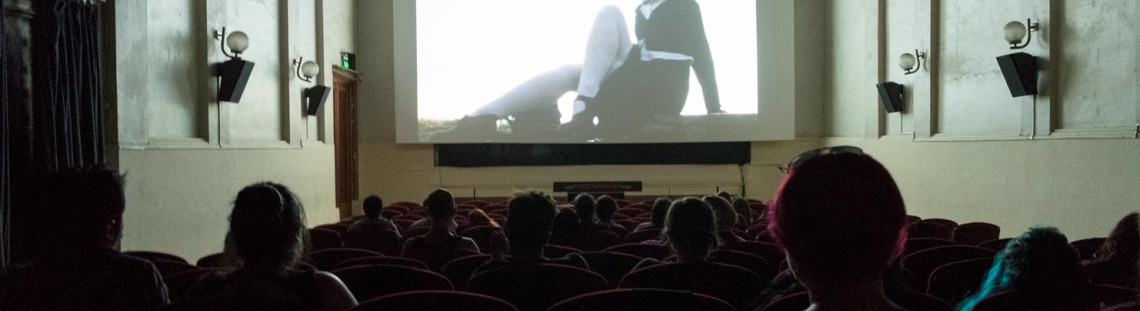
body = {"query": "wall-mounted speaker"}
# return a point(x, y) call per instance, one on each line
point(892, 96)
point(1020, 71)
point(235, 74)
point(315, 97)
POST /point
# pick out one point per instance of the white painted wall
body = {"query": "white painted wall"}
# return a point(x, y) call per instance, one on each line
point(185, 155)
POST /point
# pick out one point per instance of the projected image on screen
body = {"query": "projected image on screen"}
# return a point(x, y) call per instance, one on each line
point(584, 70)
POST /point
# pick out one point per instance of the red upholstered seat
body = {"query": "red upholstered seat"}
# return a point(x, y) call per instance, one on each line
point(408, 205)
point(536, 287)
point(642, 236)
point(382, 260)
point(736, 285)
point(920, 264)
point(641, 206)
point(770, 252)
point(477, 203)
point(995, 245)
point(906, 299)
point(386, 242)
point(482, 235)
point(758, 265)
point(179, 284)
point(152, 256)
point(324, 238)
point(371, 281)
point(659, 252)
point(212, 261)
point(919, 244)
point(435, 300)
point(931, 230)
point(643, 299)
point(398, 208)
point(975, 233)
point(339, 228)
point(1111, 273)
point(459, 270)
point(942, 221)
point(169, 267)
point(556, 251)
point(1109, 295)
point(955, 281)
point(595, 240)
point(327, 259)
point(611, 265)
point(631, 211)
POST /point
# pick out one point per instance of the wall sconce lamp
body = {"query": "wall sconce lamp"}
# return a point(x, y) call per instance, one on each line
point(234, 72)
point(910, 63)
point(314, 96)
point(1015, 31)
point(1019, 69)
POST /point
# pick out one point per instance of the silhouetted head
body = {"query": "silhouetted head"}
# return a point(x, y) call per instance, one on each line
point(724, 195)
point(841, 219)
point(566, 226)
point(267, 227)
point(585, 206)
point(606, 207)
point(1123, 243)
point(726, 217)
point(83, 208)
point(530, 216)
point(691, 228)
point(659, 211)
point(743, 209)
point(1040, 262)
point(477, 217)
point(373, 206)
point(440, 206)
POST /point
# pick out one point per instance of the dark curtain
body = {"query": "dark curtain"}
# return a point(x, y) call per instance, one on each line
point(68, 116)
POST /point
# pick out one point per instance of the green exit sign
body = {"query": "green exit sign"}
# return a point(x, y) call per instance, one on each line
point(348, 60)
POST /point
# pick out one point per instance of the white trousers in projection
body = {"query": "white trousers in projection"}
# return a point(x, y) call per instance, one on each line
point(606, 49)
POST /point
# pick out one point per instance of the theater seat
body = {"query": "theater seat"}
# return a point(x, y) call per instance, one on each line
point(736, 285)
point(386, 242)
point(912, 246)
point(168, 267)
point(642, 236)
point(536, 287)
point(324, 238)
point(459, 270)
point(770, 252)
point(1088, 247)
point(611, 265)
point(955, 281)
point(152, 256)
point(179, 284)
point(212, 261)
point(929, 230)
point(758, 265)
point(435, 300)
point(327, 259)
point(371, 281)
point(382, 260)
point(659, 252)
point(556, 251)
point(643, 299)
point(905, 299)
point(975, 233)
point(922, 263)
point(995, 245)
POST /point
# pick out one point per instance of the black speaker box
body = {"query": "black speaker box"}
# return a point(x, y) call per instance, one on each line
point(315, 97)
point(1020, 71)
point(892, 95)
point(235, 74)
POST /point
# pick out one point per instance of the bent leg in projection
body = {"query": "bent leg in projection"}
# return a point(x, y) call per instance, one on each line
point(606, 50)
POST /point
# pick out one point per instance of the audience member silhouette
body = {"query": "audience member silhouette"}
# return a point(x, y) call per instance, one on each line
point(743, 210)
point(726, 219)
point(605, 208)
point(267, 236)
point(364, 232)
point(656, 215)
point(440, 244)
point(1122, 247)
point(78, 267)
point(586, 207)
point(530, 219)
point(1039, 271)
point(477, 217)
point(566, 226)
point(690, 229)
point(841, 220)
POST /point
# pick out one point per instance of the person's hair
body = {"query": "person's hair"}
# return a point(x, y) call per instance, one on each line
point(726, 217)
point(478, 217)
point(565, 228)
point(840, 217)
point(1040, 260)
point(373, 206)
point(530, 216)
point(660, 209)
point(1123, 243)
point(605, 208)
point(724, 195)
point(743, 209)
point(79, 204)
point(690, 226)
point(585, 206)
point(440, 206)
point(267, 226)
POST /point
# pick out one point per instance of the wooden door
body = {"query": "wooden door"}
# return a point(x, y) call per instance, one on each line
point(344, 137)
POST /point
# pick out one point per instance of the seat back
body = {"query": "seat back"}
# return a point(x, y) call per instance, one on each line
point(630, 211)
point(339, 228)
point(643, 299)
point(168, 267)
point(481, 234)
point(435, 300)
point(381, 260)
point(922, 263)
point(459, 270)
point(1017, 301)
point(770, 252)
point(1109, 295)
point(642, 236)
point(942, 221)
point(912, 246)
point(557, 251)
point(793, 302)
point(931, 230)
point(390, 213)
point(212, 261)
point(323, 238)
point(640, 206)
point(371, 281)
point(1088, 247)
point(995, 245)
point(758, 265)
point(736, 285)
point(910, 219)
point(536, 287)
point(477, 203)
point(386, 242)
point(152, 256)
point(179, 284)
point(595, 240)
point(327, 259)
point(918, 301)
point(611, 265)
point(659, 252)
point(1111, 273)
point(975, 233)
point(957, 280)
